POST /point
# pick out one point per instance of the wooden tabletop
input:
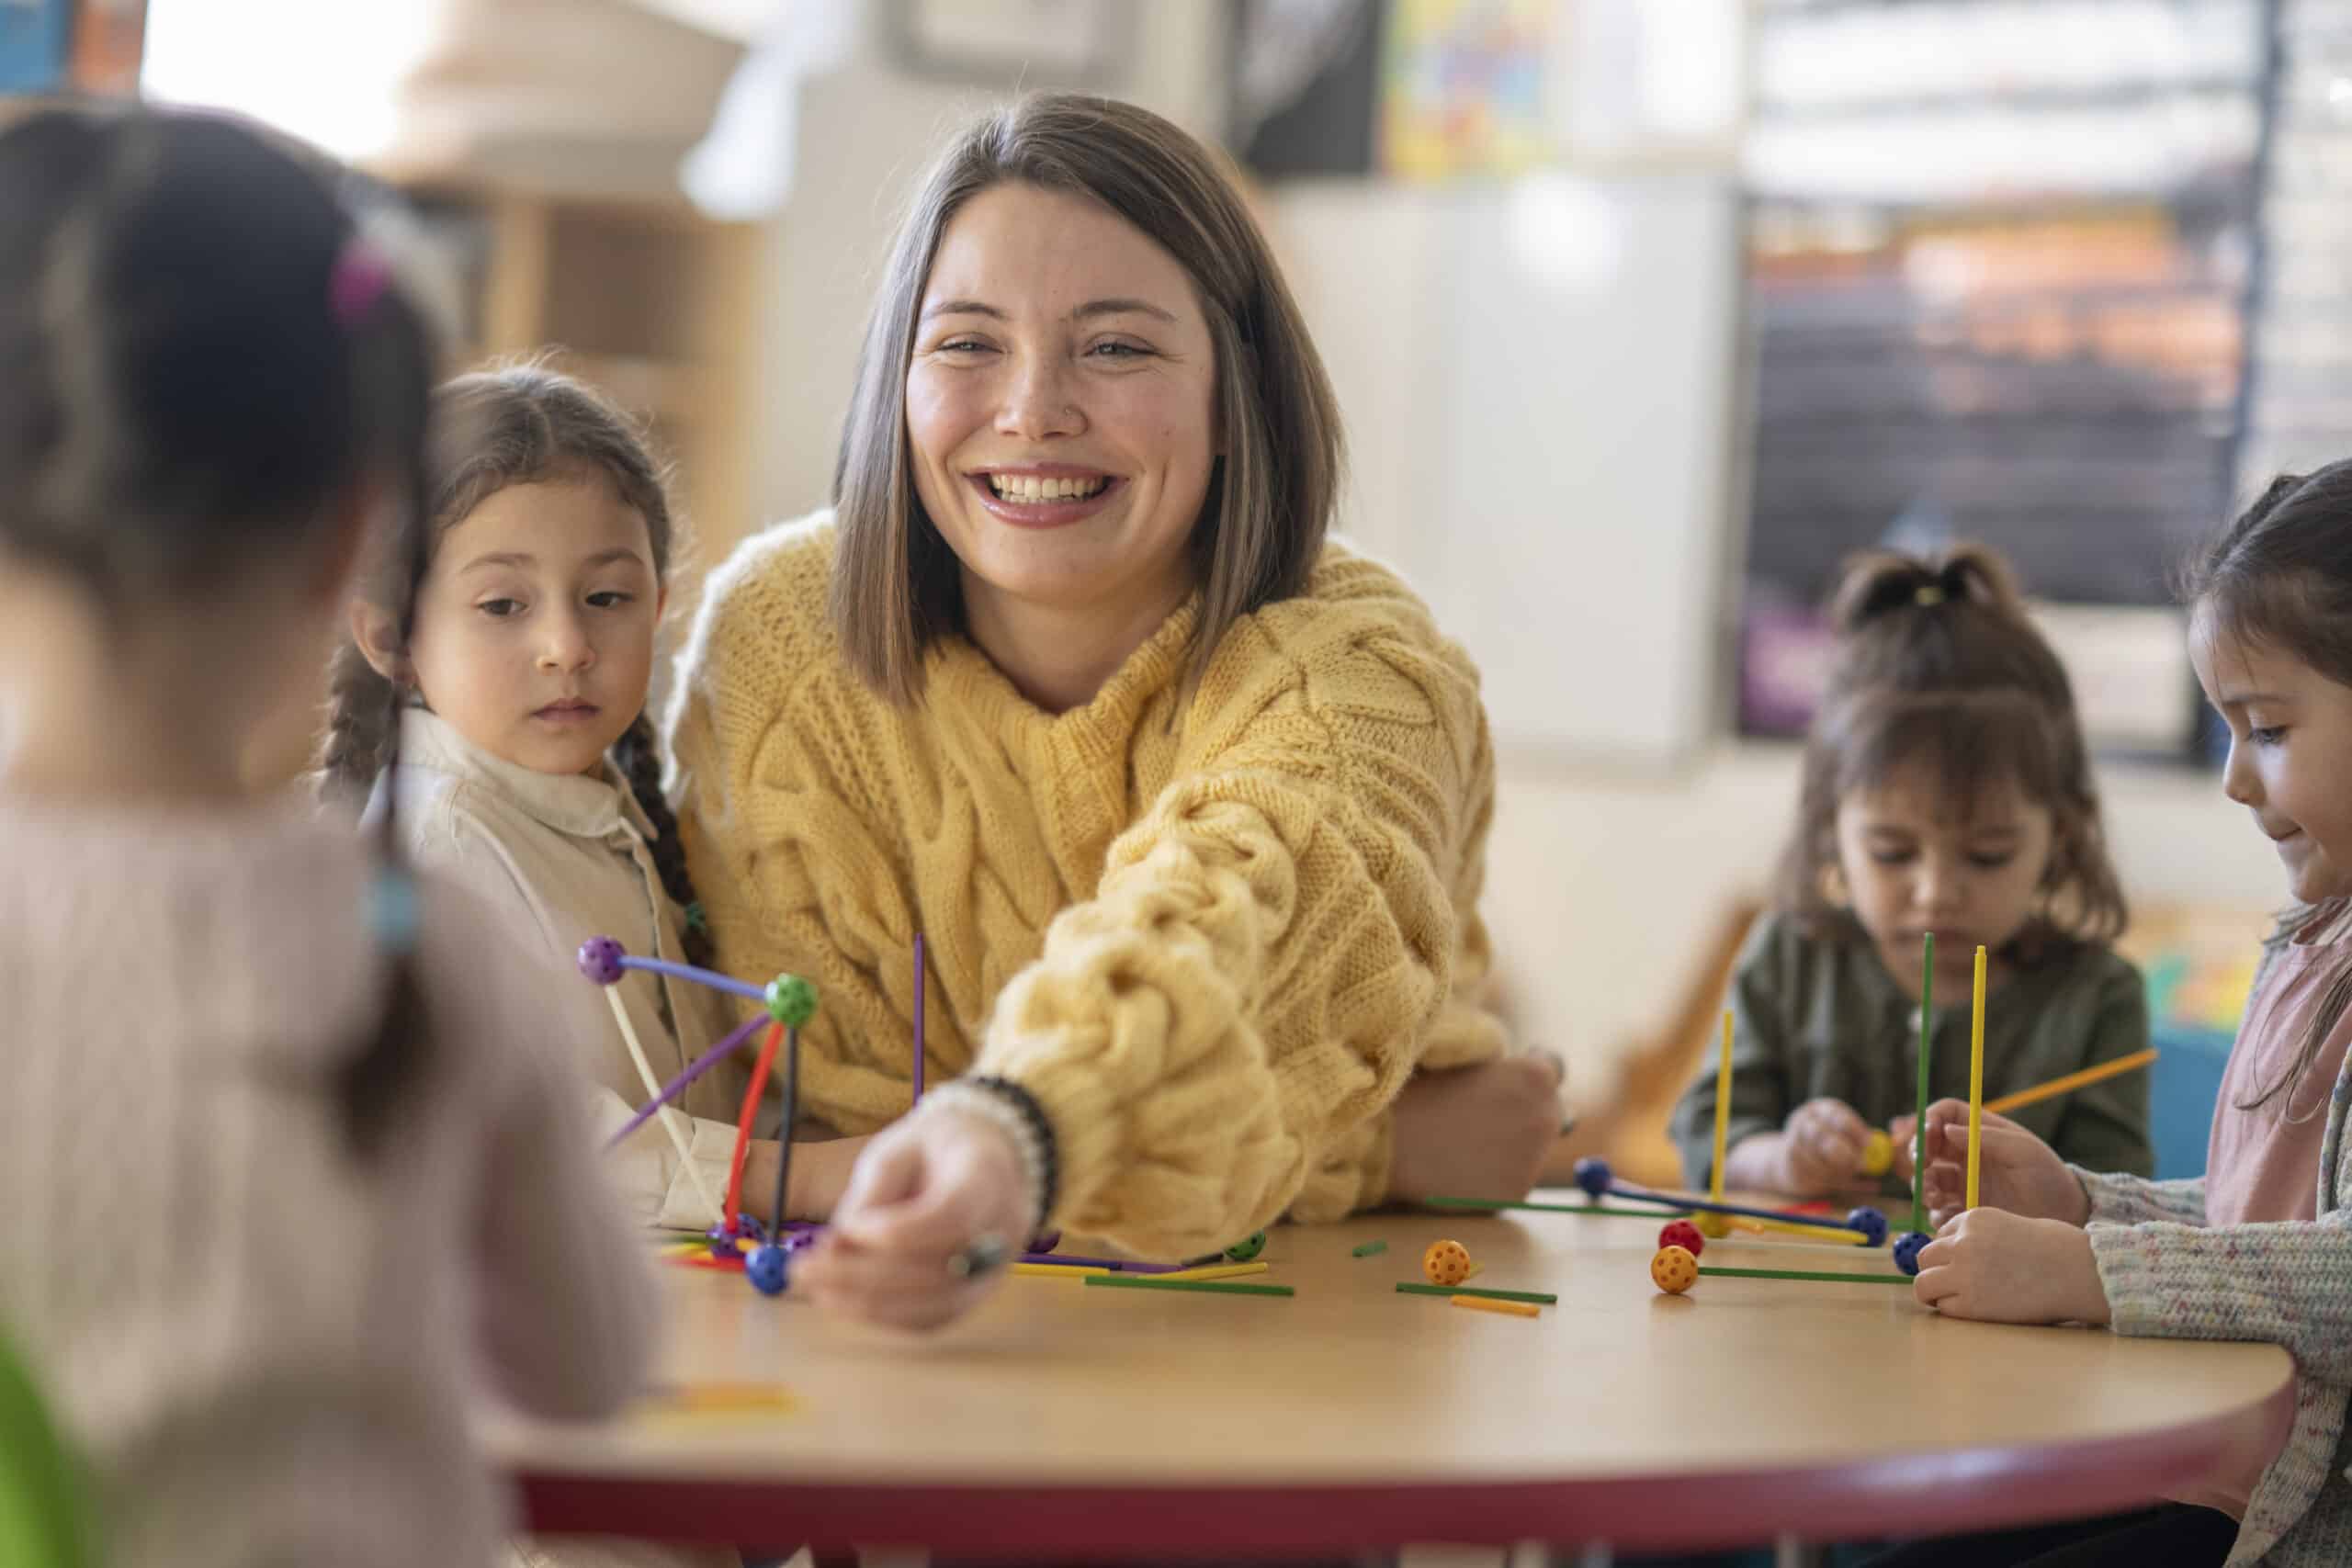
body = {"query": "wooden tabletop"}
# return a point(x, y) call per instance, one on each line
point(1061, 1418)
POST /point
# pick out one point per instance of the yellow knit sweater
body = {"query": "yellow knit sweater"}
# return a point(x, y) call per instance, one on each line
point(1213, 948)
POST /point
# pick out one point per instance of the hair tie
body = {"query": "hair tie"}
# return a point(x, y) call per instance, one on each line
point(1929, 593)
point(357, 281)
point(393, 912)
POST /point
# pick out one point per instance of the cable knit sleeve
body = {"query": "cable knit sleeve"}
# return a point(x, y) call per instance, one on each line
point(1268, 948)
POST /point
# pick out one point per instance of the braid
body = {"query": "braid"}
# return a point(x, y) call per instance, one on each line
point(359, 740)
point(641, 762)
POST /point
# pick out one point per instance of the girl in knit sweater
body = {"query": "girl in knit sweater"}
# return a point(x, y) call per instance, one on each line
point(291, 1174)
point(1190, 803)
point(526, 766)
point(2260, 1246)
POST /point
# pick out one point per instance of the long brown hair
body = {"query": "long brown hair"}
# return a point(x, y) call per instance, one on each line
point(1939, 665)
point(896, 586)
point(518, 424)
point(2280, 577)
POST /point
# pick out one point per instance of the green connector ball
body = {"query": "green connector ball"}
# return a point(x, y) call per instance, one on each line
point(1243, 1251)
point(792, 1001)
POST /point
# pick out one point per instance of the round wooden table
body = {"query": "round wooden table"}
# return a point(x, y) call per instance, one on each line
point(1095, 1423)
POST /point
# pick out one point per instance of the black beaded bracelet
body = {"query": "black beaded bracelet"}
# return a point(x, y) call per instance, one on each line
point(1049, 1151)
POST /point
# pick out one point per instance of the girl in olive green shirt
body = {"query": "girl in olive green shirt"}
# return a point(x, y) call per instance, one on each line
point(1946, 788)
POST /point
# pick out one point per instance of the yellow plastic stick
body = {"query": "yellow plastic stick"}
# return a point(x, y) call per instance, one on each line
point(2070, 1083)
point(1975, 1079)
point(1723, 1114)
point(1487, 1303)
point(1054, 1271)
point(1214, 1271)
point(1810, 1233)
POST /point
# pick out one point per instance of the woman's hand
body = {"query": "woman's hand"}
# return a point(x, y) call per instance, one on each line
point(923, 1192)
point(2016, 1170)
point(1478, 1131)
point(2002, 1268)
point(1821, 1149)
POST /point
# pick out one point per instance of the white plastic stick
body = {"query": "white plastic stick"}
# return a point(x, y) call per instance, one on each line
point(672, 1119)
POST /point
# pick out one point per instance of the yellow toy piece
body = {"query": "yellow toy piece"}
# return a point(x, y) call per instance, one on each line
point(1674, 1270)
point(1446, 1263)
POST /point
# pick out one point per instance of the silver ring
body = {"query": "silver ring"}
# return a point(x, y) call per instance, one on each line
point(985, 1256)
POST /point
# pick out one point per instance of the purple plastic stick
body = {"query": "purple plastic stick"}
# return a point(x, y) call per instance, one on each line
point(1124, 1266)
point(695, 1069)
point(699, 976)
point(919, 990)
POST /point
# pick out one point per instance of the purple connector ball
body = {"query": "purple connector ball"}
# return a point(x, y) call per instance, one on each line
point(1907, 1251)
point(800, 1241)
point(1870, 1223)
point(1045, 1241)
point(1594, 1175)
point(600, 960)
point(723, 1237)
point(766, 1270)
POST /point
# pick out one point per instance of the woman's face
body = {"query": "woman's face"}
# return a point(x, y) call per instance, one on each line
point(1061, 408)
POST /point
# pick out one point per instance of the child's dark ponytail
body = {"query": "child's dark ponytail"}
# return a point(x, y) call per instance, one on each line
point(1938, 664)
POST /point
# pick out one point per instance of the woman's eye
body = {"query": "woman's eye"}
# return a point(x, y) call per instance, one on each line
point(1118, 351)
point(963, 345)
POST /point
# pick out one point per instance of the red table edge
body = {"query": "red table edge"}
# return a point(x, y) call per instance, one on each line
point(1897, 1495)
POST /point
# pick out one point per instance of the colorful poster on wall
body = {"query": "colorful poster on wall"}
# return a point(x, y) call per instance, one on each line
point(1463, 87)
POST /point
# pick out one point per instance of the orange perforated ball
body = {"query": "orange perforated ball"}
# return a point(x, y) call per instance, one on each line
point(1446, 1263)
point(1674, 1270)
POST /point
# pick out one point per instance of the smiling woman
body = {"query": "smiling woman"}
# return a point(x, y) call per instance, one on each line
point(1190, 802)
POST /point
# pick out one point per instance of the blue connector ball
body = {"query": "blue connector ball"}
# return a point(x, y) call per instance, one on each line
point(1907, 1251)
point(765, 1270)
point(1870, 1223)
point(1594, 1175)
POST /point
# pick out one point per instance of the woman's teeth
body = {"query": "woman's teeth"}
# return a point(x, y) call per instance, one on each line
point(1028, 487)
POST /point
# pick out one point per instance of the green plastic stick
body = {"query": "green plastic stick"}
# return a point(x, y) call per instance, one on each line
point(1541, 1298)
point(1709, 1269)
point(1372, 1249)
point(1493, 1204)
point(1206, 1287)
point(1919, 1161)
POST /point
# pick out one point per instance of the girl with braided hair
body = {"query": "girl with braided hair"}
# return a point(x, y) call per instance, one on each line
point(536, 579)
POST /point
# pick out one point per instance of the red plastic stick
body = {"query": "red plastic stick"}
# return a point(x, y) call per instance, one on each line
point(743, 1122)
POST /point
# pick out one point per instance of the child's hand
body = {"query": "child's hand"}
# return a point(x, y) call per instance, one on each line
point(1478, 1131)
point(1904, 1133)
point(2016, 1170)
point(2002, 1268)
point(925, 1190)
point(1821, 1149)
